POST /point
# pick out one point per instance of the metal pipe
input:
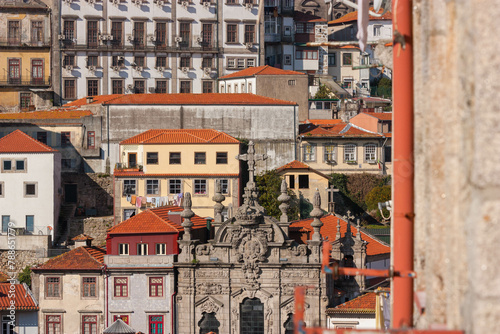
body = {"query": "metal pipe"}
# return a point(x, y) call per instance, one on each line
point(403, 169)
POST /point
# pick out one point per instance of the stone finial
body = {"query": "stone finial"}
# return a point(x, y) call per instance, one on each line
point(358, 227)
point(187, 214)
point(338, 235)
point(284, 199)
point(218, 198)
point(316, 213)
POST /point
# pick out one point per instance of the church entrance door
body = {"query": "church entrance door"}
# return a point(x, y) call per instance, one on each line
point(251, 316)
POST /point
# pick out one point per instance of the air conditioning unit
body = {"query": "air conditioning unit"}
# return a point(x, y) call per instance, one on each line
point(207, 70)
point(152, 38)
point(115, 2)
point(249, 45)
point(185, 4)
point(68, 68)
point(199, 39)
point(206, 4)
point(91, 68)
point(248, 6)
point(152, 89)
point(130, 38)
point(110, 37)
point(61, 37)
point(116, 68)
point(130, 86)
point(160, 68)
point(139, 68)
point(185, 70)
point(133, 64)
point(178, 40)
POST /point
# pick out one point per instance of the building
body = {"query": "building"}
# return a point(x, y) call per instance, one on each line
point(269, 81)
point(160, 165)
point(25, 57)
point(30, 185)
point(358, 313)
point(155, 47)
point(70, 289)
point(344, 68)
point(26, 309)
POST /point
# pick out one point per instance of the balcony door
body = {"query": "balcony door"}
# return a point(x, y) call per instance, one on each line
point(92, 34)
point(207, 35)
point(14, 32)
point(15, 71)
point(37, 71)
point(132, 160)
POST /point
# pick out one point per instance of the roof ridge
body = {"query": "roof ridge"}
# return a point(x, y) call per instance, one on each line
point(114, 98)
point(165, 222)
point(160, 133)
point(93, 258)
point(47, 148)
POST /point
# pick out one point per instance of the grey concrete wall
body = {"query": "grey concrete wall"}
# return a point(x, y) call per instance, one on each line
point(457, 156)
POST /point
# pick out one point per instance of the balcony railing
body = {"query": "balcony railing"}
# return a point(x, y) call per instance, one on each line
point(24, 81)
point(24, 42)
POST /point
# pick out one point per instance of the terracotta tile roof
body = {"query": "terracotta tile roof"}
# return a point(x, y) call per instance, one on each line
point(19, 142)
point(323, 121)
point(341, 130)
point(260, 70)
point(23, 298)
point(81, 258)
point(185, 99)
point(383, 116)
point(100, 99)
point(47, 114)
point(298, 165)
point(303, 17)
point(82, 237)
point(329, 229)
point(3, 277)
point(373, 99)
point(181, 136)
point(173, 175)
point(155, 221)
point(363, 304)
point(353, 16)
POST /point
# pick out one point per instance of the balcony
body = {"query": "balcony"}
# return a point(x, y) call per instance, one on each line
point(24, 43)
point(130, 167)
point(21, 81)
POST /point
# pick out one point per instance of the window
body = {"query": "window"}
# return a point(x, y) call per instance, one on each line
point(200, 187)
point(221, 158)
point(117, 86)
point(306, 54)
point(249, 33)
point(30, 223)
point(288, 60)
point(24, 100)
point(251, 62)
point(200, 158)
point(128, 213)
point(175, 158)
point(121, 287)
point(123, 248)
point(209, 323)
point(207, 34)
point(20, 165)
point(69, 30)
point(387, 154)
point(92, 87)
point(289, 326)
point(117, 33)
point(185, 61)
point(329, 153)
point(42, 137)
point(92, 61)
point(347, 59)
point(90, 139)
point(240, 63)
point(174, 186)
point(92, 34)
point(292, 82)
point(142, 249)
point(303, 181)
point(53, 324)
point(185, 33)
point(161, 34)
point(14, 71)
point(65, 139)
point(251, 316)
point(331, 59)
point(231, 63)
point(232, 33)
point(139, 61)
point(152, 158)
point(129, 187)
point(69, 60)
point(124, 318)
point(224, 186)
point(14, 32)
point(291, 181)
point(309, 153)
point(7, 165)
point(161, 249)
point(30, 189)
point(250, 87)
point(155, 324)
point(231, 2)
point(185, 86)
point(5, 223)
point(117, 61)
point(2, 194)
point(349, 152)
point(70, 89)
point(89, 287)
point(89, 324)
point(376, 30)
point(161, 87)
point(67, 163)
point(53, 287)
point(370, 153)
point(139, 34)
point(156, 287)
point(37, 71)
point(152, 187)
point(208, 86)
point(139, 86)
point(161, 61)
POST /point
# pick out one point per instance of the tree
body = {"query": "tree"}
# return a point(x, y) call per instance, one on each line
point(269, 186)
point(25, 276)
point(324, 92)
point(375, 196)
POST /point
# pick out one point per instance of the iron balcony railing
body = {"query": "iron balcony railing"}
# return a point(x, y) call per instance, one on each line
point(24, 81)
point(24, 42)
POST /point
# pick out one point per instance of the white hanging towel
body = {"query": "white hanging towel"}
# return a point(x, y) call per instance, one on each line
point(363, 18)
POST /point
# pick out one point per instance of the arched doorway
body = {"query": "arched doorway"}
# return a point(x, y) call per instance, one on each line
point(289, 324)
point(209, 323)
point(251, 316)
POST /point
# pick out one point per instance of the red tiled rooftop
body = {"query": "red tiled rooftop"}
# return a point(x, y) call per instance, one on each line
point(363, 304)
point(323, 121)
point(81, 258)
point(342, 130)
point(329, 229)
point(298, 165)
point(3, 277)
point(260, 70)
point(19, 142)
point(82, 237)
point(155, 221)
point(171, 175)
point(383, 116)
point(353, 16)
point(23, 299)
point(184, 99)
point(48, 114)
point(181, 136)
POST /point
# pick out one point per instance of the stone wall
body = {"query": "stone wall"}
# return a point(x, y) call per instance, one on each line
point(94, 191)
point(23, 258)
point(92, 226)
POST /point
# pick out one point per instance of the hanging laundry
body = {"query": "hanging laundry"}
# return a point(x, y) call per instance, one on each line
point(129, 198)
point(138, 202)
point(149, 199)
point(133, 199)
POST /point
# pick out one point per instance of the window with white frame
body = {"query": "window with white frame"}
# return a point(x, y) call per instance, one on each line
point(123, 249)
point(224, 186)
point(152, 187)
point(200, 187)
point(377, 29)
point(350, 152)
point(161, 249)
point(370, 153)
point(129, 187)
point(142, 249)
point(309, 152)
point(174, 186)
point(329, 153)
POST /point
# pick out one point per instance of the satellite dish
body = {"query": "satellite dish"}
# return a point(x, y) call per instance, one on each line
point(376, 5)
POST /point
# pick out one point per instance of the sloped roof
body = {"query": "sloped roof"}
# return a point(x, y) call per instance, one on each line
point(33, 4)
point(155, 221)
point(383, 116)
point(362, 304)
point(82, 237)
point(323, 121)
point(298, 165)
point(19, 142)
point(183, 99)
point(3, 277)
point(304, 17)
point(329, 229)
point(81, 258)
point(47, 114)
point(181, 136)
point(353, 16)
point(261, 70)
point(24, 301)
point(119, 327)
point(119, 173)
point(342, 130)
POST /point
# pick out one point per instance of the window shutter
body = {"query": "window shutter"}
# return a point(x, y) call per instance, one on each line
point(49, 138)
point(58, 140)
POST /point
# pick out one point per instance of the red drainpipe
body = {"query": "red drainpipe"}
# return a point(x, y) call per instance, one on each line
point(403, 172)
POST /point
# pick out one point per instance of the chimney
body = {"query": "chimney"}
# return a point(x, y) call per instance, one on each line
point(175, 217)
point(90, 99)
point(83, 240)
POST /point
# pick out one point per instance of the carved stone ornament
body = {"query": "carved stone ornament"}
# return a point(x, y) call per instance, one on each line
point(250, 246)
point(207, 288)
point(205, 249)
point(300, 250)
point(209, 307)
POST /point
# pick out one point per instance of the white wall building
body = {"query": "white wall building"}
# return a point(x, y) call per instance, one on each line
point(29, 184)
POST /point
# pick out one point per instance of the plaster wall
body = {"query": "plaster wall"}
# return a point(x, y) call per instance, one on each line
point(26, 322)
point(316, 181)
point(354, 322)
point(245, 85)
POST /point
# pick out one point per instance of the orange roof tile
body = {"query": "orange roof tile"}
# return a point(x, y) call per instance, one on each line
point(172, 175)
point(155, 221)
point(24, 301)
point(342, 130)
point(181, 136)
point(384, 116)
point(47, 114)
point(329, 229)
point(3, 277)
point(298, 165)
point(81, 258)
point(82, 237)
point(99, 99)
point(323, 121)
point(260, 70)
point(362, 304)
point(353, 16)
point(185, 99)
point(19, 142)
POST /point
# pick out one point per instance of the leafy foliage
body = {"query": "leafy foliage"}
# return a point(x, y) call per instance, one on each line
point(269, 186)
point(324, 92)
point(376, 195)
point(25, 276)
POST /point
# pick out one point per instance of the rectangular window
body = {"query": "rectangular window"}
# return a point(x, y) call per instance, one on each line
point(309, 153)
point(161, 35)
point(14, 32)
point(93, 61)
point(2, 194)
point(129, 187)
point(25, 100)
point(142, 249)
point(42, 137)
point(185, 86)
point(221, 158)
point(299, 28)
point(152, 158)
point(127, 213)
point(347, 59)
point(288, 60)
point(161, 61)
point(37, 71)
point(224, 186)
point(231, 63)
point(67, 163)
point(207, 34)
point(53, 324)
point(92, 34)
point(139, 86)
point(156, 287)
point(152, 187)
point(30, 223)
point(249, 33)
point(387, 154)
point(89, 324)
point(118, 61)
point(139, 61)
point(331, 59)
point(69, 30)
point(349, 153)
point(329, 153)
point(251, 62)
point(185, 34)
point(69, 60)
point(161, 87)
point(175, 158)
point(53, 287)
point(124, 318)
point(376, 30)
point(14, 71)
point(207, 62)
point(303, 181)
point(5, 223)
point(7, 165)
point(121, 287)
point(117, 86)
point(117, 33)
point(185, 62)
point(161, 249)
point(123, 248)
point(30, 189)
point(174, 186)
point(370, 153)
point(92, 87)
point(200, 158)
point(90, 139)
point(70, 89)
point(65, 139)
point(291, 181)
point(139, 35)
point(208, 86)
point(20, 165)
point(155, 324)
point(240, 63)
point(89, 286)
point(232, 33)
point(200, 187)
point(292, 82)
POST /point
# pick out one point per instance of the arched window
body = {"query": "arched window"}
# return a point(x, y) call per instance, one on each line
point(251, 316)
point(289, 324)
point(209, 323)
